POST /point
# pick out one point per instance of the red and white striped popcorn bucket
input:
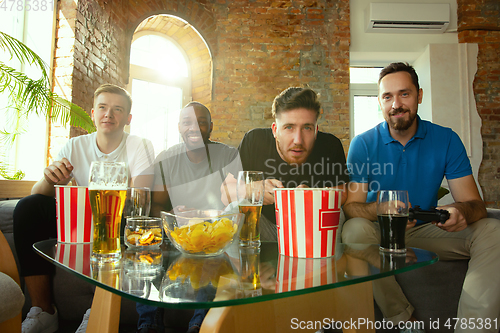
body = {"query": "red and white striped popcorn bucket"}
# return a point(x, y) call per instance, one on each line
point(75, 256)
point(74, 215)
point(307, 220)
point(299, 273)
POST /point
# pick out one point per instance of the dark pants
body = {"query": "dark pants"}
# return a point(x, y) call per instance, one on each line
point(34, 221)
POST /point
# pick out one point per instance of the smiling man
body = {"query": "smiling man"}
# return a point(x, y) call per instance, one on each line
point(190, 175)
point(35, 215)
point(421, 154)
point(293, 152)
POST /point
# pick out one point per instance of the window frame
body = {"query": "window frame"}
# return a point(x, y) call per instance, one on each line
point(360, 89)
point(150, 75)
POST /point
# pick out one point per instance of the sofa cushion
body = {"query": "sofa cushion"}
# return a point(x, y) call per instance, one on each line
point(6, 213)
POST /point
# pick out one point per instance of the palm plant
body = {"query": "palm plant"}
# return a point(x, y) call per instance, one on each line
point(27, 96)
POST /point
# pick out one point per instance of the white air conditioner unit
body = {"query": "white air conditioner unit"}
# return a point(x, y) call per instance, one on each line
point(408, 17)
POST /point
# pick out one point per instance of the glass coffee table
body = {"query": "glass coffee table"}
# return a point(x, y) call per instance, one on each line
point(280, 292)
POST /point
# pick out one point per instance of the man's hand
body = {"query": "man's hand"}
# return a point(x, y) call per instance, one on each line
point(410, 224)
point(181, 209)
point(58, 171)
point(267, 275)
point(269, 186)
point(456, 222)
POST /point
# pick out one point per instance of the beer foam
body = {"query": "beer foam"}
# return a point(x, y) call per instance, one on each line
point(107, 187)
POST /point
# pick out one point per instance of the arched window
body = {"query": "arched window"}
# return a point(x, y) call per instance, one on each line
point(160, 84)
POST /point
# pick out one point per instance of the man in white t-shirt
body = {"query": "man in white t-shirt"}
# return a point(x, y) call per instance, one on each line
point(35, 215)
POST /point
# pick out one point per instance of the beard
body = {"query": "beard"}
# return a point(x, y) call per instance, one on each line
point(401, 124)
point(287, 158)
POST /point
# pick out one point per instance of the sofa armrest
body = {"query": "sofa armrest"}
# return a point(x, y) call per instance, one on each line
point(12, 189)
point(493, 213)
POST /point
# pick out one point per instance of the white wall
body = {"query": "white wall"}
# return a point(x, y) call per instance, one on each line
point(381, 48)
point(446, 73)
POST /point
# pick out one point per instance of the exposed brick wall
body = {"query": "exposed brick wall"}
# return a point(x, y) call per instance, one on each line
point(89, 51)
point(258, 49)
point(63, 70)
point(267, 46)
point(100, 56)
point(479, 22)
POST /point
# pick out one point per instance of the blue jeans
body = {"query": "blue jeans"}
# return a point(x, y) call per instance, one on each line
point(150, 317)
point(204, 294)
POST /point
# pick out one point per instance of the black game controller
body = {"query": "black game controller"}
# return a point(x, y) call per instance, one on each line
point(431, 215)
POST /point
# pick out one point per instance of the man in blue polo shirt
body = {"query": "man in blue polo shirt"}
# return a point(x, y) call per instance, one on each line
point(408, 153)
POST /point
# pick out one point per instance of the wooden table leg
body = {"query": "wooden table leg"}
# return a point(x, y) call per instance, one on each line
point(105, 312)
point(349, 304)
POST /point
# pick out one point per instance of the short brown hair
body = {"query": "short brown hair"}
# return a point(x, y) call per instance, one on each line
point(114, 89)
point(400, 67)
point(295, 98)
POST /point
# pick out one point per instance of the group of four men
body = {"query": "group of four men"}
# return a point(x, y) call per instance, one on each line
point(200, 174)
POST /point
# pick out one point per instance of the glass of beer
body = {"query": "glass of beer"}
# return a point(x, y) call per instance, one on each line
point(107, 191)
point(250, 196)
point(138, 202)
point(392, 215)
point(249, 272)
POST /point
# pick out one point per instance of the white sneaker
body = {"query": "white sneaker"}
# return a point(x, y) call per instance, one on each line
point(83, 326)
point(38, 321)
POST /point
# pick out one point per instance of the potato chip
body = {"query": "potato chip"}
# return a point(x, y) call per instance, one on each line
point(203, 236)
point(200, 273)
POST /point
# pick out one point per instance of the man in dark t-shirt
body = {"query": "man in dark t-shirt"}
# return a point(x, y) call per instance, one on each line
point(293, 153)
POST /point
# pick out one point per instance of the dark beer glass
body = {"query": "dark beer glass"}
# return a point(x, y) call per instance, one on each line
point(392, 215)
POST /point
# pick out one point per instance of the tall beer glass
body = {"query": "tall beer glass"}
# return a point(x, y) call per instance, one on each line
point(138, 202)
point(392, 215)
point(249, 272)
point(107, 191)
point(250, 196)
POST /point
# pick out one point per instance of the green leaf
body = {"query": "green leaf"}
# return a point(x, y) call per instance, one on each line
point(31, 96)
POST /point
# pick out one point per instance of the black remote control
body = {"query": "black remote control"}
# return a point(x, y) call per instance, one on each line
point(431, 215)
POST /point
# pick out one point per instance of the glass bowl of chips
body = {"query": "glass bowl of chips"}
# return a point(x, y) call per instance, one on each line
point(205, 233)
point(143, 232)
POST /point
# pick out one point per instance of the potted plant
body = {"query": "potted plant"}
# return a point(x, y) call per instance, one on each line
point(27, 96)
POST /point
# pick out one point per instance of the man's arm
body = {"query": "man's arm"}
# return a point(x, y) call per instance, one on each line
point(468, 206)
point(229, 189)
point(356, 206)
point(142, 181)
point(58, 173)
point(159, 201)
point(343, 187)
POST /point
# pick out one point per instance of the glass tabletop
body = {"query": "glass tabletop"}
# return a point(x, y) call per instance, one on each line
point(166, 278)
